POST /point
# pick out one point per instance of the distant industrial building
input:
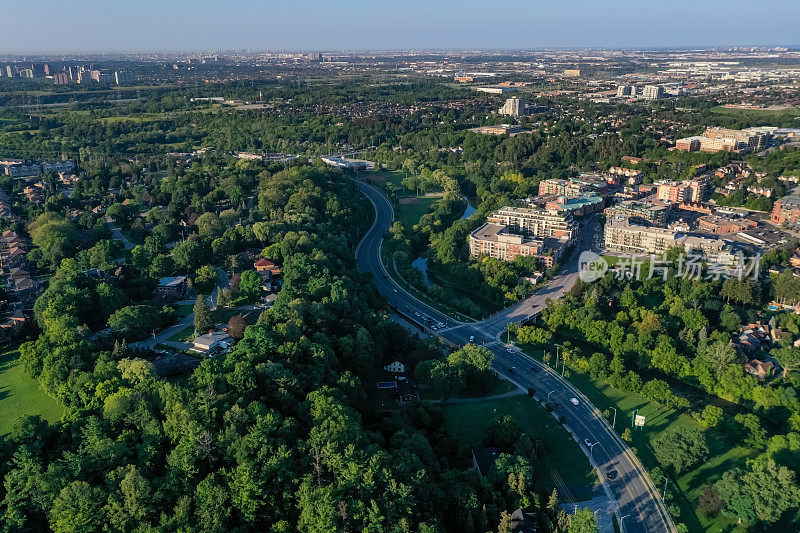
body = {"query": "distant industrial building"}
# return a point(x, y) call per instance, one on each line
point(496, 89)
point(499, 129)
point(349, 164)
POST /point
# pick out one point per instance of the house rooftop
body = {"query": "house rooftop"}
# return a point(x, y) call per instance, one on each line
point(171, 281)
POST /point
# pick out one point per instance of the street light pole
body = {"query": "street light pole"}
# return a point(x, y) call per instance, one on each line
point(615, 418)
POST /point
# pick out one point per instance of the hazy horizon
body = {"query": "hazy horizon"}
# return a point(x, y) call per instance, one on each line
point(93, 26)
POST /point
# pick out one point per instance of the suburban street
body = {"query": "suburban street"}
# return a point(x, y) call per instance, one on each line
point(623, 477)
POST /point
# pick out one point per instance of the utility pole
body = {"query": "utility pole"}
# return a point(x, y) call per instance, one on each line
point(557, 350)
point(591, 451)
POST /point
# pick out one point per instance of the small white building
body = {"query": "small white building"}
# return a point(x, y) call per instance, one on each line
point(396, 367)
point(214, 342)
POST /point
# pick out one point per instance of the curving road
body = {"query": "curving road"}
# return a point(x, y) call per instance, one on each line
point(640, 508)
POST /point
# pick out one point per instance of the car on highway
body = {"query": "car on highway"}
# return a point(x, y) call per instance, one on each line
point(512, 369)
point(472, 338)
point(395, 291)
point(574, 401)
point(534, 369)
point(509, 350)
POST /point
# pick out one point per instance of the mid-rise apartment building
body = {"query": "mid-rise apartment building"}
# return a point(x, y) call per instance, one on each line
point(679, 192)
point(621, 236)
point(786, 209)
point(564, 187)
point(724, 139)
point(651, 214)
point(495, 240)
point(21, 169)
point(626, 90)
point(653, 92)
point(514, 107)
point(539, 223)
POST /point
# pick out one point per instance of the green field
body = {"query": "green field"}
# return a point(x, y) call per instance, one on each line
point(409, 214)
point(721, 458)
point(758, 114)
point(388, 176)
point(20, 395)
point(468, 422)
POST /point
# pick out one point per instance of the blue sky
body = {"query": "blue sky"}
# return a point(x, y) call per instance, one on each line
point(115, 25)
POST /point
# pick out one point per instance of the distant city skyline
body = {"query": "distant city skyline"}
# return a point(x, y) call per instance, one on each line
point(85, 26)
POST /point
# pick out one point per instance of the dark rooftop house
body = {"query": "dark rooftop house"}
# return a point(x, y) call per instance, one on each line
point(483, 459)
point(524, 521)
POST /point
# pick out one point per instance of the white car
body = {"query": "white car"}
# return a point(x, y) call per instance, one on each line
point(574, 401)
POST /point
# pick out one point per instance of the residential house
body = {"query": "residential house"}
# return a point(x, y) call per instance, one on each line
point(395, 367)
point(212, 343)
point(172, 287)
point(759, 369)
point(265, 265)
point(525, 521)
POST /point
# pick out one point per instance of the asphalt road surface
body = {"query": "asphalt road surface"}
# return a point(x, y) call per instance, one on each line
point(623, 477)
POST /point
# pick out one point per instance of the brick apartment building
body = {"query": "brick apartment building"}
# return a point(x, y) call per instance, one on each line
point(786, 209)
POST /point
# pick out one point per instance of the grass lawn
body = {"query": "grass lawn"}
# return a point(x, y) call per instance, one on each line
point(184, 335)
point(468, 422)
point(223, 315)
point(757, 114)
point(500, 386)
point(20, 395)
point(721, 457)
point(409, 214)
point(184, 310)
point(388, 176)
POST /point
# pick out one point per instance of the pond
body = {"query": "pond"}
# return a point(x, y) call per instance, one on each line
point(468, 211)
point(421, 264)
